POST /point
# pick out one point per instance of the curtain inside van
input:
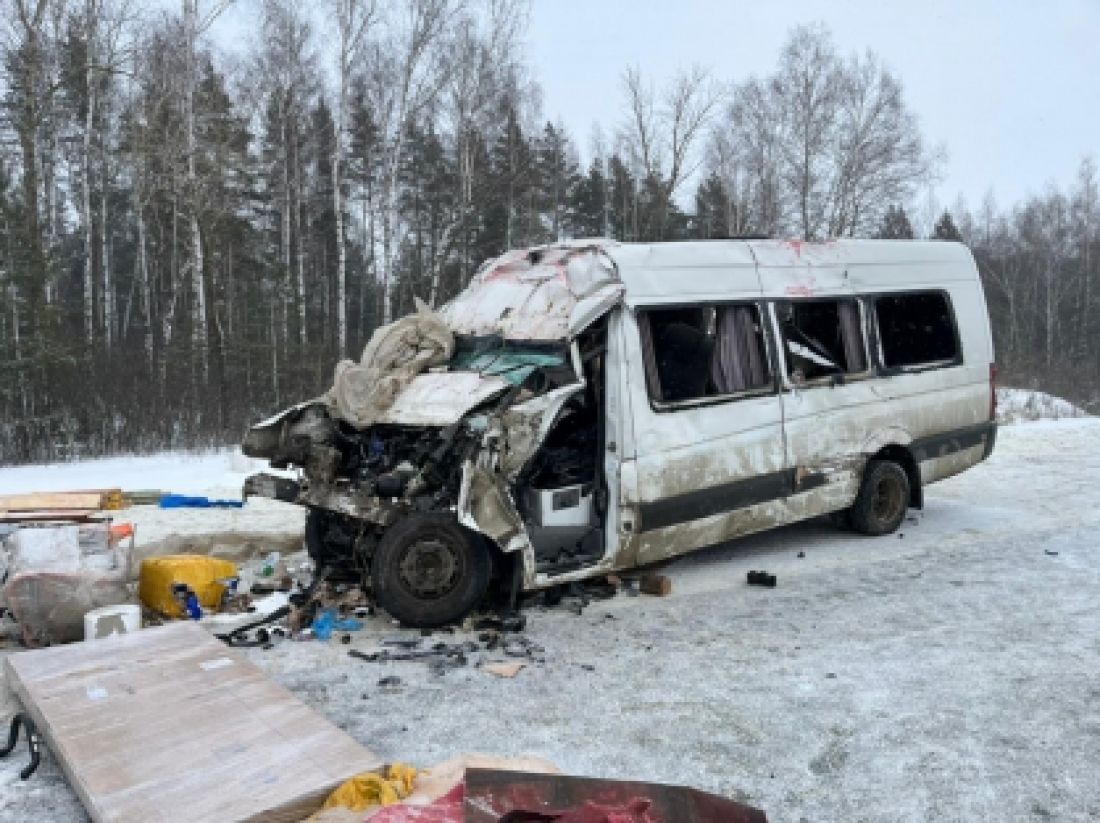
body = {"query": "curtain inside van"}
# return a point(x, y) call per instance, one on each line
point(851, 337)
point(738, 363)
point(649, 355)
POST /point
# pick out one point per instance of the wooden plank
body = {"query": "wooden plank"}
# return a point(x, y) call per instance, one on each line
point(655, 584)
point(169, 724)
point(50, 500)
point(80, 515)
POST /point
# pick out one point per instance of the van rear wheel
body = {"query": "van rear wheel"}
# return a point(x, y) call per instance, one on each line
point(883, 498)
point(428, 570)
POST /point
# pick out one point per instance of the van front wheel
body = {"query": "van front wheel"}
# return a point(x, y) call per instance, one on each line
point(429, 570)
point(883, 498)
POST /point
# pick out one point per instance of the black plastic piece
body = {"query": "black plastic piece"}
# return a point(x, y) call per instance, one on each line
point(34, 743)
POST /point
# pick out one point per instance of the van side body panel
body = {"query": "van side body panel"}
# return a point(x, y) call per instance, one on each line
point(699, 475)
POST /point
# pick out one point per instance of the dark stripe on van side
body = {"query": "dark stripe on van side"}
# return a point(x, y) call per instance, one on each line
point(739, 494)
point(940, 445)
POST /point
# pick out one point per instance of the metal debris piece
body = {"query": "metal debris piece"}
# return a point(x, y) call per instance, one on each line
point(401, 640)
point(761, 578)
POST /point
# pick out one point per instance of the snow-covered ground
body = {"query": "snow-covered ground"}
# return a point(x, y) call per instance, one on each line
point(947, 672)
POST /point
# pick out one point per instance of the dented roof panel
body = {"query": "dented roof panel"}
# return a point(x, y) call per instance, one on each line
point(530, 294)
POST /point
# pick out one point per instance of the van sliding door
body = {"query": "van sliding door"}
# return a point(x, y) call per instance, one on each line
point(826, 398)
point(706, 459)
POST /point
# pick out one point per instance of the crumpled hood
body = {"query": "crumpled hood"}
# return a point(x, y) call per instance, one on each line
point(441, 398)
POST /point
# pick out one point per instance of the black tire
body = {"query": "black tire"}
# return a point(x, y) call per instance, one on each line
point(428, 570)
point(330, 542)
point(841, 519)
point(883, 498)
point(316, 527)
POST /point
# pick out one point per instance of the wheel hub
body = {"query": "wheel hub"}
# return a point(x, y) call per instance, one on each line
point(887, 499)
point(429, 568)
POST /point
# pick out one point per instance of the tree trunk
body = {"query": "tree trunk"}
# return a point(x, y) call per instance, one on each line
point(299, 235)
point(109, 320)
point(143, 275)
point(341, 253)
point(199, 335)
point(86, 204)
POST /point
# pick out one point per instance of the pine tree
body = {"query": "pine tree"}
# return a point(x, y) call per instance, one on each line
point(623, 200)
point(558, 174)
point(895, 225)
point(945, 229)
point(588, 203)
point(712, 207)
point(508, 220)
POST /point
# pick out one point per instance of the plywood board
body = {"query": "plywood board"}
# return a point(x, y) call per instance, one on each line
point(169, 724)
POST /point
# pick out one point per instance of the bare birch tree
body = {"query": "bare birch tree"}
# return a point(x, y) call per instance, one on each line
point(192, 28)
point(353, 17)
point(404, 82)
point(662, 135)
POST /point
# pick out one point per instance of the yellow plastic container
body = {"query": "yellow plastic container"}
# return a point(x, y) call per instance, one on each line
point(199, 571)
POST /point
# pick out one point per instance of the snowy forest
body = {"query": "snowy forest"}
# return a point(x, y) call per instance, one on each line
point(191, 237)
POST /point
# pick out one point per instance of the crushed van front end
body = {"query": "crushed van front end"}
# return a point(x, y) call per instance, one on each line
point(433, 463)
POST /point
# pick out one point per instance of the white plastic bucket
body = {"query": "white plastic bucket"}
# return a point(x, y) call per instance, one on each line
point(111, 620)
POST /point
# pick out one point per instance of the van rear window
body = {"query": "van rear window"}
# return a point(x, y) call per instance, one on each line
point(916, 329)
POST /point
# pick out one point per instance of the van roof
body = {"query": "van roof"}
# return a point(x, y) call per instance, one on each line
point(531, 294)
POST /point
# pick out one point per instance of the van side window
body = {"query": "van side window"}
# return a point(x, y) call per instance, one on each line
point(822, 338)
point(703, 351)
point(916, 329)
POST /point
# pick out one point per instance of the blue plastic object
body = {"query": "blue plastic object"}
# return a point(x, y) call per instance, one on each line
point(181, 501)
point(348, 624)
point(324, 623)
point(194, 610)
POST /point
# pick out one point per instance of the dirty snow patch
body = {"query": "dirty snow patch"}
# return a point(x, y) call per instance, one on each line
point(1021, 405)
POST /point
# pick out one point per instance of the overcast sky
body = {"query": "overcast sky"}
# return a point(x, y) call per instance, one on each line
point(1009, 87)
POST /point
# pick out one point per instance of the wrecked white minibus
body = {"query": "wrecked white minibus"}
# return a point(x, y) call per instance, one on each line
point(596, 406)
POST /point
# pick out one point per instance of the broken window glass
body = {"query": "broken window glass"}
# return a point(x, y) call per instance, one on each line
point(703, 351)
point(822, 338)
point(916, 329)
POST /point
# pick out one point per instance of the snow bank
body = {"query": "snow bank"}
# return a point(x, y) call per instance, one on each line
point(216, 473)
point(261, 526)
point(1020, 405)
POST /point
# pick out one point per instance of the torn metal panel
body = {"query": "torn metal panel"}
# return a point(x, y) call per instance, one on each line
point(486, 506)
point(485, 503)
point(526, 425)
point(441, 398)
point(591, 308)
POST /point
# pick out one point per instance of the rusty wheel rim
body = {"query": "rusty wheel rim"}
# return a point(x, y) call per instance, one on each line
point(430, 568)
